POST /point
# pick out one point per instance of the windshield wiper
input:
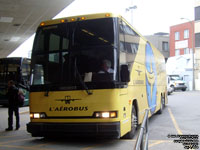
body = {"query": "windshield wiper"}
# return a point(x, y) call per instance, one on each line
point(81, 80)
point(74, 30)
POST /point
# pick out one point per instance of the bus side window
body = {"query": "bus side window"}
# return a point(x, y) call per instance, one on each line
point(25, 73)
point(129, 44)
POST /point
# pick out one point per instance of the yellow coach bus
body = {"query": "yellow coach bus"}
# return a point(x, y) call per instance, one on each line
point(93, 75)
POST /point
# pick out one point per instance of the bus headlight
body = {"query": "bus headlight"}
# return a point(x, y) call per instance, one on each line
point(109, 114)
point(105, 115)
point(37, 115)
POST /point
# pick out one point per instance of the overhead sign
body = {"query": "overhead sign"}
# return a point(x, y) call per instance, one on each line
point(181, 44)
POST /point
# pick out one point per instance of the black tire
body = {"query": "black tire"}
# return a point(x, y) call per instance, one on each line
point(134, 124)
point(184, 89)
point(162, 105)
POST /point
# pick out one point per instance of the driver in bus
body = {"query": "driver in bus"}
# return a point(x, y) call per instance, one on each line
point(106, 67)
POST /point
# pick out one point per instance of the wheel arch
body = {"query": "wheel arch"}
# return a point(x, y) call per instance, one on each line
point(135, 104)
point(163, 95)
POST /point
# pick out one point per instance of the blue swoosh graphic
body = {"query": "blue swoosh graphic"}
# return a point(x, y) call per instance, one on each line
point(151, 87)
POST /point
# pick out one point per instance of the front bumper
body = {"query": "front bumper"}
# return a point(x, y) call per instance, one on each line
point(180, 87)
point(108, 130)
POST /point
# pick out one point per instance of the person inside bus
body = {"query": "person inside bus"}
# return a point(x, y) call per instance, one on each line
point(106, 67)
point(13, 105)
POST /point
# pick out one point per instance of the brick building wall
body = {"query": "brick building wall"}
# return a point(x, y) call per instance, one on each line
point(180, 44)
point(197, 44)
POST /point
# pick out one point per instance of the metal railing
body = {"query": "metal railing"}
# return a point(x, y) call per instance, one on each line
point(142, 138)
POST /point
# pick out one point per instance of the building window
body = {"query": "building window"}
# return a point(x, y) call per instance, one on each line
point(177, 52)
point(186, 34)
point(165, 46)
point(186, 51)
point(197, 39)
point(177, 36)
point(197, 13)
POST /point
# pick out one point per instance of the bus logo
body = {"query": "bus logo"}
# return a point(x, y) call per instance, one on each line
point(151, 78)
point(138, 71)
point(67, 99)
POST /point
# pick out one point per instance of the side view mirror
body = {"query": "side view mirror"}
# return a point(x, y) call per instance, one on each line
point(125, 74)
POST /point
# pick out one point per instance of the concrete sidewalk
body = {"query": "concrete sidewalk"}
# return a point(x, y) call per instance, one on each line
point(4, 116)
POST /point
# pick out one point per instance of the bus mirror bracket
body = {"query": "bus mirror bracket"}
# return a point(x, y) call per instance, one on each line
point(125, 74)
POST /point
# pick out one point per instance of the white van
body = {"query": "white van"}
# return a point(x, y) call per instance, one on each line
point(169, 89)
point(177, 83)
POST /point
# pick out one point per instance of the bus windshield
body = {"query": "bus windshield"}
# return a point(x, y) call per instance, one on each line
point(75, 52)
point(16, 69)
point(9, 70)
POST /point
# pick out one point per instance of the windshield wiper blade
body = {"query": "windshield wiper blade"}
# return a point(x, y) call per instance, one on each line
point(74, 30)
point(81, 81)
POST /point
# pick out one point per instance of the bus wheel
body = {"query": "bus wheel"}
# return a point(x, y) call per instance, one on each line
point(134, 124)
point(162, 105)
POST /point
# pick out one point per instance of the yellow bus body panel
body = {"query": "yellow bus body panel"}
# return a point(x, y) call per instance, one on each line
point(84, 106)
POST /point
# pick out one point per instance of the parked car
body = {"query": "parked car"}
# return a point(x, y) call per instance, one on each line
point(177, 83)
point(169, 89)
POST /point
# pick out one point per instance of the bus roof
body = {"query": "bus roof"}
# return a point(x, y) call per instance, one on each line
point(86, 17)
point(79, 17)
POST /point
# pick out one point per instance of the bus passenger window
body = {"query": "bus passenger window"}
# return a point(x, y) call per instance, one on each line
point(129, 43)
